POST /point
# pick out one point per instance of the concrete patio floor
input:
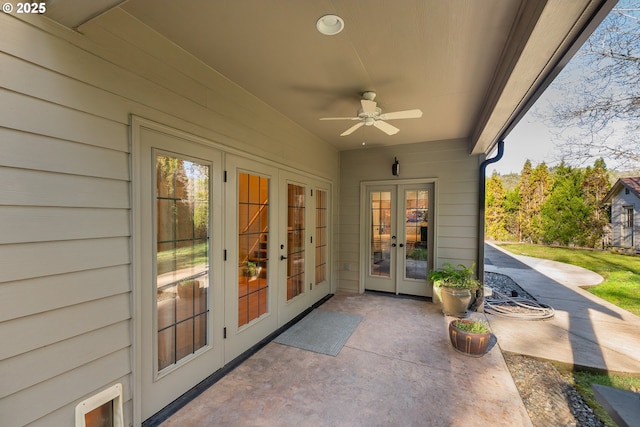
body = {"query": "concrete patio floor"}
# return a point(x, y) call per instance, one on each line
point(396, 369)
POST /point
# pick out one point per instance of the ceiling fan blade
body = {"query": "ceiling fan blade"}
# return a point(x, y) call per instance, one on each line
point(386, 127)
point(352, 129)
point(408, 114)
point(368, 106)
point(340, 118)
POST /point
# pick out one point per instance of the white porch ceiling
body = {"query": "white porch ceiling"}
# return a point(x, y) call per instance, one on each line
point(469, 65)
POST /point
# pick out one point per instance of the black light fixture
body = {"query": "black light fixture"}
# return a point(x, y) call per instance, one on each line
point(395, 168)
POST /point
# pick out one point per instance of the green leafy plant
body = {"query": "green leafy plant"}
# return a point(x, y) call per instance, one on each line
point(418, 254)
point(251, 268)
point(472, 326)
point(460, 277)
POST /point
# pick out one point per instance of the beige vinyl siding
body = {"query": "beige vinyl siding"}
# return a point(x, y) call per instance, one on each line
point(66, 98)
point(618, 217)
point(456, 190)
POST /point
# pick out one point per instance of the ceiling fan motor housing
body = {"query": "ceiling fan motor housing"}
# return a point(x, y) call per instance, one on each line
point(373, 115)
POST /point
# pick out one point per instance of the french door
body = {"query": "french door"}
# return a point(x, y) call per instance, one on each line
point(251, 273)
point(180, 286)
point(227, 249)
point(303, 244)
point(399, 242)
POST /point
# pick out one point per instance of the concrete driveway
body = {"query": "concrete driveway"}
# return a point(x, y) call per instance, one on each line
point(585, 331)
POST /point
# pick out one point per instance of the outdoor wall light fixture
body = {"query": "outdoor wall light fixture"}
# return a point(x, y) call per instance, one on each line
point(395, 168)
point(330, 25)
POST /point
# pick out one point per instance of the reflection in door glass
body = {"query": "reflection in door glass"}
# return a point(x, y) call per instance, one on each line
point(295, 240)
point(321, 236)
point(182, 257)
point(416, 231)
point(380, 263)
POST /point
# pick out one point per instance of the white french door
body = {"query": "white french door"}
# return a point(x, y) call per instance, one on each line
point(251, 273)
point(180, 287)
point(398, 241)
point(227, 249)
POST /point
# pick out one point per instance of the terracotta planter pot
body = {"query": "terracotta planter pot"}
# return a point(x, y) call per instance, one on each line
point(185, 290)
point(468, 343)
point(455, 302)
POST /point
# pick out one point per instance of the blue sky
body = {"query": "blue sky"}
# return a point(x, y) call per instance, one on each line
point(530, 139)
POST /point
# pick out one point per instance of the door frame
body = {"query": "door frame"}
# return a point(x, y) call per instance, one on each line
point(141, 266)
point(240, 338)
point(363, 219)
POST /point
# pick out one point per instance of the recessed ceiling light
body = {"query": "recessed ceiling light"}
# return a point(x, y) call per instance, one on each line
point(330, 25)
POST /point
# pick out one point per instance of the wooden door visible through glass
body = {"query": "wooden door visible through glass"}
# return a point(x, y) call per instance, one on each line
point(416, 231)
point(295, 240)
point(253, 249)
point(182, 257)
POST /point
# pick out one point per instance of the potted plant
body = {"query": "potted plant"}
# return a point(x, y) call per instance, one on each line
point(252, 270)
point(471, 337)
point(455, 287)
point(185, 289)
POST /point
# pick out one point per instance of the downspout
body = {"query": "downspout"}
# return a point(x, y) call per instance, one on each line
point(479, 305)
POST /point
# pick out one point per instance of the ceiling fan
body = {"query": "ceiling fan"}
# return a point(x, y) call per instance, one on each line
point(371, 115)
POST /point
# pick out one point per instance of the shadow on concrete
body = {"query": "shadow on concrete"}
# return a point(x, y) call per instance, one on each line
point(586, 330)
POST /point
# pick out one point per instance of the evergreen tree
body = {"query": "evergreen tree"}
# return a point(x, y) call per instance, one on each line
point(534, 188)
point(494, 212)
point(524, 206)
point(565, 214)
point(511, 211)
point(594, 187)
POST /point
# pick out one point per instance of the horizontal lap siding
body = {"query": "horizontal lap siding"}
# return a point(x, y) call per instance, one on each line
point(456, 203)
point(65, 102)
point(64, 235)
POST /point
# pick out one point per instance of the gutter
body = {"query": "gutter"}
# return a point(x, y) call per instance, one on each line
point(479, 304)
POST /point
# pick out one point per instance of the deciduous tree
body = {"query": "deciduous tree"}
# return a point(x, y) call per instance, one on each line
point(595, 102)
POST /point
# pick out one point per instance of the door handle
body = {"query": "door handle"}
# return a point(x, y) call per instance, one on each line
point(402, 245)
point(282, 257)
point(393, 245)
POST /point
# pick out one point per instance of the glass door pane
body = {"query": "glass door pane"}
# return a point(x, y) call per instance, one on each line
point(253, 248)
point(380, 244)
point(321, 236)
point(295, 240)
point(182, 257)
point(416, 231)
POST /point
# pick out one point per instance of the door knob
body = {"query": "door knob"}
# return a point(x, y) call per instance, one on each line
point(402, 245)
point(282, 257)
point(393, 245)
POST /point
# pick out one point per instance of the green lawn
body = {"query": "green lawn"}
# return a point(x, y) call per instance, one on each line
point(621, 287)
point(621, 273)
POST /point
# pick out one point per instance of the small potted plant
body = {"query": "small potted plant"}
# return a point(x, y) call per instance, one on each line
point(252, 270)
point(186, 289)
point(470, 336)
point(455, 287)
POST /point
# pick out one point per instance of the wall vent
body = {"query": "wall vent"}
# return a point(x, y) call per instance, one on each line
point(102, 410)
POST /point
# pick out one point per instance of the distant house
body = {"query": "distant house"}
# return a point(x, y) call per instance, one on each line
point(624, 198)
